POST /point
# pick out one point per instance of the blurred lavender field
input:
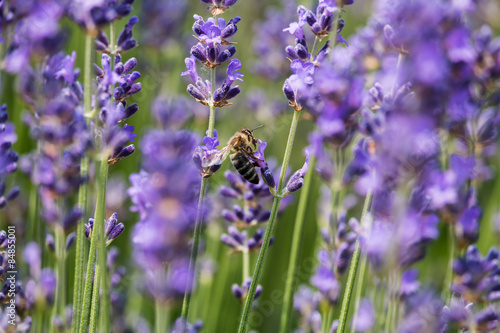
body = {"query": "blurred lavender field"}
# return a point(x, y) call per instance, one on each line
point(249, 166)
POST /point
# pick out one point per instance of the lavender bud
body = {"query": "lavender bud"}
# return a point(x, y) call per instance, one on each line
point(111, 223)
point(291, 53)
point(229, 216)
point(258, 291)
point(70, 241)
point(72, 218)
point(129, 65)
point(13, 194)
point(228, 240)
point(50, 243)
point(195, 92)
point(131, 110)
point(237, 292)
point(117, 231)
point(238, 211)
point(229, 192)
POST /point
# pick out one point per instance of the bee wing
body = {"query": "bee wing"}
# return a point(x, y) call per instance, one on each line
point(218, 157)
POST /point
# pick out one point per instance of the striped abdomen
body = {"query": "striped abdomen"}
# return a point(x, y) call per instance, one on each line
point(245, 167)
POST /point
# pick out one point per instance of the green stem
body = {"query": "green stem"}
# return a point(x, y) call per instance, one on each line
point(60, 297)
point(97, 247)
point(80, 249)
point(359, 288)
point(34, 200)
point(295, 249)
point(389, 305)
point(78, 289)
point(84, 318)
point(194, 250)
point(199, 217)
point(95, 302)
point(246, 264)
point(352, 271)
point(161, 317)
point(449, 270)
point(314, 48)
point(100, 212)
point(270, 225)
point(397, 280)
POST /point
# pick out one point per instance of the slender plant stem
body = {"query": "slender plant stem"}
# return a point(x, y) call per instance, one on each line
point(390, 304)
point(80, 249)
point(359, 288)
point(97, 247)
point(352, 271)
point(100, 211)
point(33, 214)
point(194, 251)
point(199, 218)
point(295, 249)
point(449, 269)
point(314, 48)
point(161, 318)
point(270, 225)
point(246, 264)
point(95, 302)
point(84, 318)
point(78, 289)
point(60, 297)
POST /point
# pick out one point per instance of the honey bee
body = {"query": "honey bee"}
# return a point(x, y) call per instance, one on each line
point(244, 159)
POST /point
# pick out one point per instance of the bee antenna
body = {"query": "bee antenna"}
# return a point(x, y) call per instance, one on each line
point(257, 127)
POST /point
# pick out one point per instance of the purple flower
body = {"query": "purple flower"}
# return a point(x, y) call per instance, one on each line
point(324, 279)
point(297, 84)
point(162, 21)
point(365, 317)
point(94, 14)
point(226, 92)
point(208, 159)
point(238, 240)
point(240, 292)
point(113, 107)
point(409, 283)
point(269, 41)
point(201, 90)
point(306, 302)
point(172, 113)
point(112, 229)
point(476, 277)
point(165, 194)
point(218, 7)
point(8, 157)
point(182, 327)
point(124, 42)
point(296, 181)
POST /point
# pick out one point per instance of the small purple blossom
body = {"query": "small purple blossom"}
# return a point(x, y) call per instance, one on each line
point(124, 42)
point(208, 159)
point(217, 7)
point(240, 292)
point(365, 317)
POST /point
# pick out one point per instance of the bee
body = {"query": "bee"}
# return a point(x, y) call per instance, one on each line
point(244, 159)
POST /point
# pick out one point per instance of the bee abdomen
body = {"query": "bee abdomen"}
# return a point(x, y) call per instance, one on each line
point(245, 168)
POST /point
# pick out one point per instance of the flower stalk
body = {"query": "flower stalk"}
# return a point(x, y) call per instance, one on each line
point(352, 270)
point(100, 212)
point(295, 250)
point(199, 217)
point(78, 288)
point(269, 229)
point(95, 302)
